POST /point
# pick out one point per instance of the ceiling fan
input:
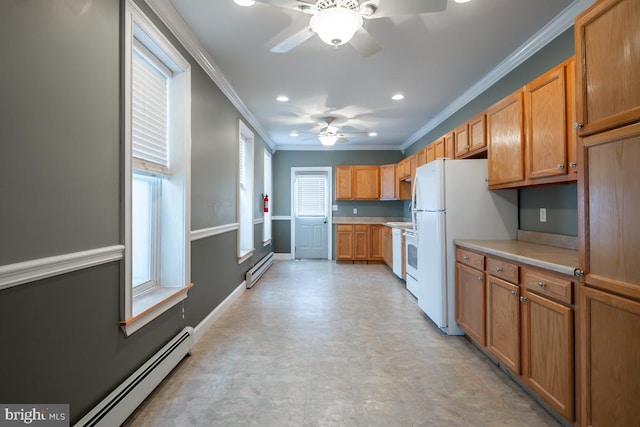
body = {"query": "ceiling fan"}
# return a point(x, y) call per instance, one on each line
point(330, 134)
point(340, 21)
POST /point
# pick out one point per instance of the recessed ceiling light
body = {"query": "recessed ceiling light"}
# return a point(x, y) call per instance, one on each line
point(397, 97)
point(282, 98)
point(244, 2)
point(373, 133)
point(294, 133)
point(462, 1)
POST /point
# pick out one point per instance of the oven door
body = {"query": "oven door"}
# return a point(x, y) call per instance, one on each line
point(412, 262)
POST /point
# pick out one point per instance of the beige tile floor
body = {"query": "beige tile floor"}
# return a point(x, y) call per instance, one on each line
point(316, 343)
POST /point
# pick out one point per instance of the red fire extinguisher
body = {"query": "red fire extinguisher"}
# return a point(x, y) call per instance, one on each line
point(266, 203)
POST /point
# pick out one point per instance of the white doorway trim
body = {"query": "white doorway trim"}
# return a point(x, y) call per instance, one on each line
point(329, 171)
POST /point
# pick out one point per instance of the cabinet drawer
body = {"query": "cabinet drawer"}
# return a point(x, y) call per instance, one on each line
point(502, 269)
point(344, 227)
point(469, 258)
point(547, 284)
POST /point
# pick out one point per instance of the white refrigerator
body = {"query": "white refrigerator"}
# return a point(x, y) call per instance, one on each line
point(451, 201)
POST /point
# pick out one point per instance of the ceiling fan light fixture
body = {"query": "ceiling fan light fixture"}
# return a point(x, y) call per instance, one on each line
point(336, 25)
point(328, 140)
point(244, 2)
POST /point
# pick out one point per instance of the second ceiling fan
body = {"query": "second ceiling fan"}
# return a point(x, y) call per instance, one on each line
point(340, 21)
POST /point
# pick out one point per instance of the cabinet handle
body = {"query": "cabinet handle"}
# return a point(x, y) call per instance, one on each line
point(465, 257)
point(480, 278)
point(541, 284)
point(573, 164)
point(560, 166)
point(513, 292)
point(466, 147)
point(578, 125)
point(499, 269)
point(523, 299)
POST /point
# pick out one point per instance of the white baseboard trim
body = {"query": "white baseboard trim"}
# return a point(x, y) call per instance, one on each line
point(282, 257)
point(215, 314)
point(42, 268)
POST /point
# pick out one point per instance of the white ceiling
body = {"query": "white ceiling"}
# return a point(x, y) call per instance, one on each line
point(439, 61)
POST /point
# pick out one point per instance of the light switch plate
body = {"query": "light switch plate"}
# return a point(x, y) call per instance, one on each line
point(543, 214)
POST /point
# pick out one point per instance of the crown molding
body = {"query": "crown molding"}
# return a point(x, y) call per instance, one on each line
point(338, 147)
point(563, 21)
point(174, 22)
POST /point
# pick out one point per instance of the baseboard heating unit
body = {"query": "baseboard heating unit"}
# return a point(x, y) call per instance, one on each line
point(258, 270)
point(121, 403)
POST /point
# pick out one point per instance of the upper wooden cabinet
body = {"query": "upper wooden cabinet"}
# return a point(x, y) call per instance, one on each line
point(470, 139)
point(404, 168)
point(505, 135)
point(422, 156)
point(413, 163)
point(608, 57)
point(431, 153)
point(550, 141)
point(388, 182)
point(357, 182)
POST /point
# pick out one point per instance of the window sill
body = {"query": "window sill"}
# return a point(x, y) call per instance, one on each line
point(150, 305)
point(245, 256)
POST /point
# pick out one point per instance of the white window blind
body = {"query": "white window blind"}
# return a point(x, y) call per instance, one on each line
point(312, 195)
point(150, 145)
point(244, 160)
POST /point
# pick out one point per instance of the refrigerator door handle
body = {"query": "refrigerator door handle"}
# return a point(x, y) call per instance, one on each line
point(414, 184)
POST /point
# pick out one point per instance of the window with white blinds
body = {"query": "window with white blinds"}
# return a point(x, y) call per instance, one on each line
point(311, 195)
point(150, 94)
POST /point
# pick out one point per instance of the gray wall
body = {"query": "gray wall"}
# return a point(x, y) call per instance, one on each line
point(283, 161)
point(560, 200)
point(60, 164)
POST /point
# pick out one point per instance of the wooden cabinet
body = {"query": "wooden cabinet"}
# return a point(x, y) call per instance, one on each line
point(471, 299)
point(357, 182)
point(422, 156)
point(388, 182)
point(387, 246)
point(404, 168)
point(470, 138)
point(344, 242)
point(608, 113)
point(503, 322)
point(608, 59)
point(549, 127)
point(413, 164)
point(610, 359)
point(547, 351)
point(360, 243)
point(375, 242)
point(431, 153)
point(506, 143)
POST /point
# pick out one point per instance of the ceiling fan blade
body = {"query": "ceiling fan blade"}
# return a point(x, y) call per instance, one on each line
point(342, 140)
point(292, 41)
point(405, 7)
point(364, 43)
point(306, 6)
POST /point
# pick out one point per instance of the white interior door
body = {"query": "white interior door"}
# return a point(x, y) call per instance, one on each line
point(311, 214)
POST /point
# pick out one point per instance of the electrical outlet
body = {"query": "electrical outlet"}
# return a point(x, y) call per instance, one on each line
point(334, 207)
point(543, 214)
point(355, 211)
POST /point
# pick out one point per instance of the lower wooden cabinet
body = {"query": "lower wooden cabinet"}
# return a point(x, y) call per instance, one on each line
point(547, 351)
point(359, 242)
point(503, 322)
point(471, 302)
point(610, 359)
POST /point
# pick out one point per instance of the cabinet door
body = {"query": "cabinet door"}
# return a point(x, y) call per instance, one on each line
point(387, 246)
point(478, 133)
point(471, 302)
point(422, 157)
point(344, 242)
point(461, 141)
point(431, 152)
point(440, 149)
point(344, 184)
point(611, 195)
point(361, 242)
point(413, 163)
point(608, 55)
point(449, 145)
point(375, 237)
point(505, 134)
point(610, 356)
point(388, 182)
point(546, 125)
point(366, 182)
point(503, 322)
point(547, 346)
